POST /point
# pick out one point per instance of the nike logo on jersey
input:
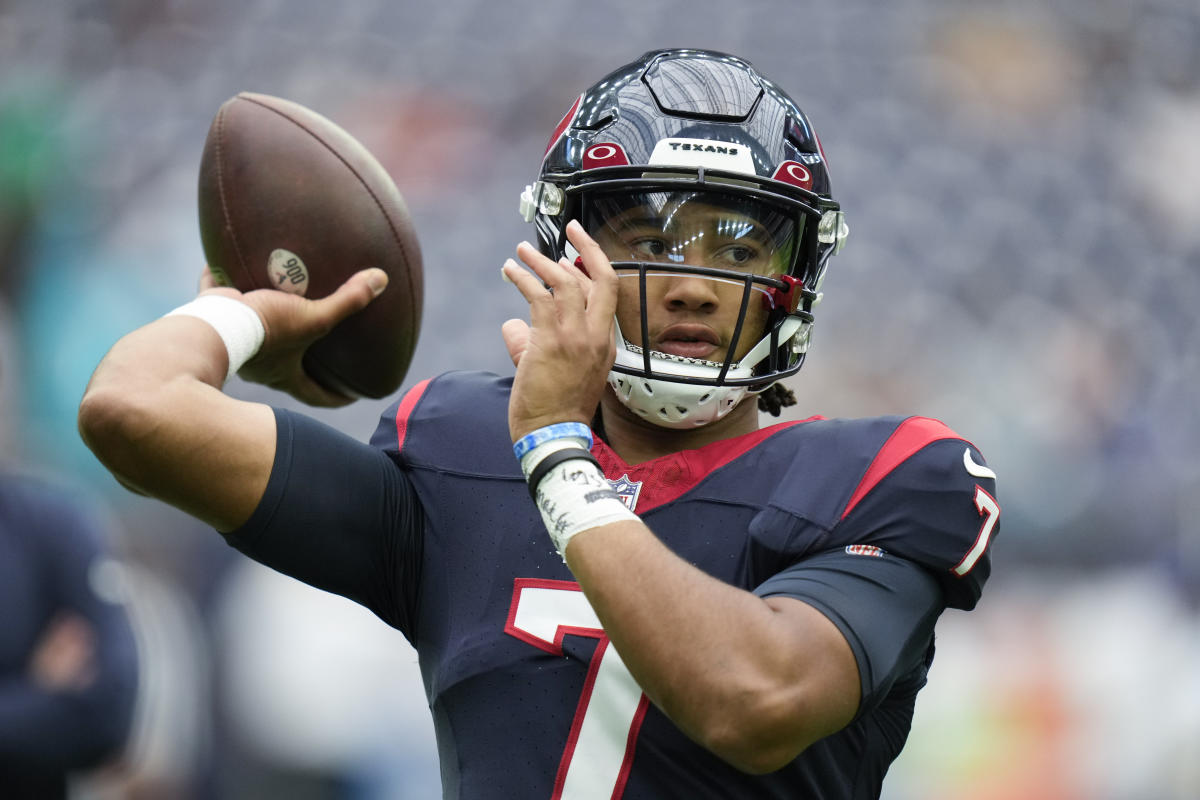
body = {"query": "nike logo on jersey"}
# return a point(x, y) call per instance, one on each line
point(978, 470)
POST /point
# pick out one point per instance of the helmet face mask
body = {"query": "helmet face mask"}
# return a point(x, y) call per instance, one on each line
point(691, 170)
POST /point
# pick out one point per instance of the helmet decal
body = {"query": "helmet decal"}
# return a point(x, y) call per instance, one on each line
point(702, 153)
point(605, 154)
point(795, 173)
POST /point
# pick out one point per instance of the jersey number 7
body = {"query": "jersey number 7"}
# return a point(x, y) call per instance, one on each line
point(599, 749)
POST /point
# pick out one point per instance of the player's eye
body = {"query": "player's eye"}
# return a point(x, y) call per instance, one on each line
point(648, 247)
point(737, 256)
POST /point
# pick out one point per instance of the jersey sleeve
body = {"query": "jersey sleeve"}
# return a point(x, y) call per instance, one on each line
point(339, 515)
point(935, 507)
point(885, 606)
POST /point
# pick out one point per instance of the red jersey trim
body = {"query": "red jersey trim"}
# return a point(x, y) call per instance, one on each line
point(671, 476)
point(911, 436)
point(405, 409)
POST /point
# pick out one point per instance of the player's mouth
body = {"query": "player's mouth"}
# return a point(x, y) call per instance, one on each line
point(687, 340)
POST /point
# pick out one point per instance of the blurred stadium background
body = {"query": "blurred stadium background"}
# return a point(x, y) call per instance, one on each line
point(1022, 180)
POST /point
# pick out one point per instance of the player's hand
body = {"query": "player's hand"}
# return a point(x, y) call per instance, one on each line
point(293, 323)
point(64, 657)
point(565, 352)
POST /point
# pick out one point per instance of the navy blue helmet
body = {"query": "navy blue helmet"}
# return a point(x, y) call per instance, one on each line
point(695, 128)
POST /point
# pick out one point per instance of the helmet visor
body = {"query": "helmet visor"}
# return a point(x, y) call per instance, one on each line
point(711, 229)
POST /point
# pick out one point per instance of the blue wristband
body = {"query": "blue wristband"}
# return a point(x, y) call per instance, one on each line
point(559, 430)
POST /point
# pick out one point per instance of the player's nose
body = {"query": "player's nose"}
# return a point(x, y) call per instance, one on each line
point(690, 292)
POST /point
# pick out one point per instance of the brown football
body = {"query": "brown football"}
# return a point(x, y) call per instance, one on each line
point(290, 201)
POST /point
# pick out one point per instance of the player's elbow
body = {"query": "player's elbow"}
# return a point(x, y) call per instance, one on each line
point(111, 421)
point(102, 418)
point(764, 730)
point(752, 762)
point(773, 704)
point(756, 746)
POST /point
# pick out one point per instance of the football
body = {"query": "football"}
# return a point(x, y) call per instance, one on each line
point(288, 200)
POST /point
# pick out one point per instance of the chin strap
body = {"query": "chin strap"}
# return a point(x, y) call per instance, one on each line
point(679, 406)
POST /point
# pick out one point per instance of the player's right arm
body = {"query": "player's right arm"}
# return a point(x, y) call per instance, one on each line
point(155, 415)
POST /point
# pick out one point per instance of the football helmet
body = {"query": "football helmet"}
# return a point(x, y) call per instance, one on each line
point(679, 143)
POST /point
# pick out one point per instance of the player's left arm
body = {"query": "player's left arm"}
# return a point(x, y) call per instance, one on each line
point(755, 680)
point(758, 677)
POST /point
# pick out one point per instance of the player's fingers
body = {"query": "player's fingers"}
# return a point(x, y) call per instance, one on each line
point(591, 289)
point(516, 338)
point(359, 289)
point(602, 295)
point(209, 284)
point(565, 285)
point(541, 302)
point(581, 277)
point(308, 391)
point(207, 279)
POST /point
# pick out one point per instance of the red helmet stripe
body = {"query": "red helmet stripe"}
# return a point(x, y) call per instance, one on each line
point(563, 124)
point(821, 150)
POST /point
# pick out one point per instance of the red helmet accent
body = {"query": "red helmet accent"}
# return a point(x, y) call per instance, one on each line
point(789, 298)
point(562, 126)
point(795, 173)
point(605, 154)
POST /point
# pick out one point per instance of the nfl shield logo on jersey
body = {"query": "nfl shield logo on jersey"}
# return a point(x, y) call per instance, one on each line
point(627, 490)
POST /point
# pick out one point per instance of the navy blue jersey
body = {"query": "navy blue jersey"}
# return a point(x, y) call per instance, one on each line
point(879, 523)
point(50, 550)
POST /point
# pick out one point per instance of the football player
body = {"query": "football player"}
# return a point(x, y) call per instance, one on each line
point(618, 583)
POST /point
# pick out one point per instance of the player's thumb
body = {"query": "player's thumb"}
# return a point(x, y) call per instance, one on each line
point(359, 290)
point(516, 338)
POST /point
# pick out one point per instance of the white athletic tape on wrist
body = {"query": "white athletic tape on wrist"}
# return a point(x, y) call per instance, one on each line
point(238, 325)
point(574, 497)
point(535, 456)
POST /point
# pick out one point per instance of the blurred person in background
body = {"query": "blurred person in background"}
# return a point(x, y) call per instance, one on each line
point(68, 662)
point(69, 665)
point(720, 609)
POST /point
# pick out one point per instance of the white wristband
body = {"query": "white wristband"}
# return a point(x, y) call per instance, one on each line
point(238, 325)
point(574, 497)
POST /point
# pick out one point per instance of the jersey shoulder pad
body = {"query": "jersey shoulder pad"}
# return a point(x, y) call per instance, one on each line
point(820, 462)
point(456, 421)
point(928, 496)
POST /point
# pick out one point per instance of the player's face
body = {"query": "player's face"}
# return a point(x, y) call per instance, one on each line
point(692, 315)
